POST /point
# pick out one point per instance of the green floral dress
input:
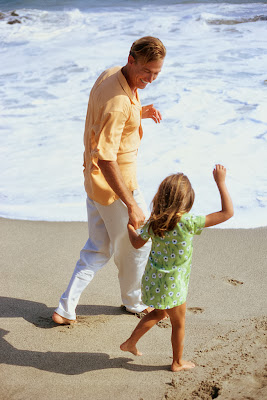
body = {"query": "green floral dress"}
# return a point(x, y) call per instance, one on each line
point(166, 277)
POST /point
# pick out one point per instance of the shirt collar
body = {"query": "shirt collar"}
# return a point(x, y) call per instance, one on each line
point(124, 84)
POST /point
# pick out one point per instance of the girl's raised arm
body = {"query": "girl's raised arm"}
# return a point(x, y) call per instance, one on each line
point(135, 239)
point(227, 211)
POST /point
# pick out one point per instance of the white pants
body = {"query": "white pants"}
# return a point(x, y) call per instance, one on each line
point(108, 235)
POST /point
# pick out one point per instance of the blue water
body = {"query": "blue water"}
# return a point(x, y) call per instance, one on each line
point(93, 4)
point(212, 93)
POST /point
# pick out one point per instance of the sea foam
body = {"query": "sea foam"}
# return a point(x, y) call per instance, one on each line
point(211, 93)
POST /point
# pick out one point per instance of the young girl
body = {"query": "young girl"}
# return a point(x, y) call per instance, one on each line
point(166, 277)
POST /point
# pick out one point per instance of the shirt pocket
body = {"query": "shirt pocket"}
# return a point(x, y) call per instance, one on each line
point(130, 139)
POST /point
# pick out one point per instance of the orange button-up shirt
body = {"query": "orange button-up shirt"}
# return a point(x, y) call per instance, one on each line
point(112, 132)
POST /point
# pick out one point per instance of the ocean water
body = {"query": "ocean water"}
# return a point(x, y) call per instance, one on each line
point(212, 93)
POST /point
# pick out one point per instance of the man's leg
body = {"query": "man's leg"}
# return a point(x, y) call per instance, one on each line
point(129, 261)
point(95, 254)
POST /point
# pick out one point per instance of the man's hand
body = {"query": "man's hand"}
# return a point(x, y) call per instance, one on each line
point(136, 216)
point(151, 112)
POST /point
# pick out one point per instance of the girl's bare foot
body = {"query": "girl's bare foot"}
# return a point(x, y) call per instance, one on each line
point(127, 346)
point(61, 320)
point(181, 365)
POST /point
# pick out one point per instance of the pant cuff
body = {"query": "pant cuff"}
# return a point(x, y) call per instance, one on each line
point(64, 314)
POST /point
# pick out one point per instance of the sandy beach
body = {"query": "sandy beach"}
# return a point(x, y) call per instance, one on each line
point(225, 325)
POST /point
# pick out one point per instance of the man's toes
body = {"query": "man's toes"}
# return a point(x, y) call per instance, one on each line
point(61, 320)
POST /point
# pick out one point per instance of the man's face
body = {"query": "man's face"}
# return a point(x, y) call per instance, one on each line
point(142, 74)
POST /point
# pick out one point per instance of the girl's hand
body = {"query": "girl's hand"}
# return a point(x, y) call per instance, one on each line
point(151, 112)
point(227, 210)
point(135, 239)
point(219, 173)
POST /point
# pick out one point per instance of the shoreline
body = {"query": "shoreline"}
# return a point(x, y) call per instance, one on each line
point(225, 321)
point(219, 227)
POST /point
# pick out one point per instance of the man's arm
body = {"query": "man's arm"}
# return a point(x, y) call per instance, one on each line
point(113, 176)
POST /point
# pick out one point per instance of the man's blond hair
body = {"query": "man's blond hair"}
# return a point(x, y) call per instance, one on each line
point(147, 49)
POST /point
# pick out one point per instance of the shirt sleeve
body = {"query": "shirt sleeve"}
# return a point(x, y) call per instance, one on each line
point(143, 232)
point(112, 127)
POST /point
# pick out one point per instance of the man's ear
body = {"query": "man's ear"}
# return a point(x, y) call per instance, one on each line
point(131, 60)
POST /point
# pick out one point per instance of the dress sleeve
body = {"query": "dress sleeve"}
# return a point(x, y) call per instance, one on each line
point(198, 223)
point(143, 232)
point(195, 223)
point(113, 124)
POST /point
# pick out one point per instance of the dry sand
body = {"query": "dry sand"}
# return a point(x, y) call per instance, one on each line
point(225, 325)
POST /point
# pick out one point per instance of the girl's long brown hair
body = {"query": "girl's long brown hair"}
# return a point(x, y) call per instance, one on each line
point(175, 196)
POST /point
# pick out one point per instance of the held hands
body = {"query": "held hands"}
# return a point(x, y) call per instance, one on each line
point(136, 216)
point(135, 239)
point(219, 174)
point(151, 112)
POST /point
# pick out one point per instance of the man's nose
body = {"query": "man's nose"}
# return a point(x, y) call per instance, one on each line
point(150, 78)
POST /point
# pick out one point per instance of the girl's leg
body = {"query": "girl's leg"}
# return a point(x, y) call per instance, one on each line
point(146, 323)
point(177, 317)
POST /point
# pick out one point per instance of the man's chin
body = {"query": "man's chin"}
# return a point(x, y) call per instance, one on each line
point(142, 85)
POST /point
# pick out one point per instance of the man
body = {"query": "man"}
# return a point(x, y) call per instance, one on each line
point(112, 136)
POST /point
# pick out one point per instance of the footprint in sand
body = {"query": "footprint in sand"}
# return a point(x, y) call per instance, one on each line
point(93, 320)
point(210, 389)
point(195, 310)
point(164, 323)
point(234, 282)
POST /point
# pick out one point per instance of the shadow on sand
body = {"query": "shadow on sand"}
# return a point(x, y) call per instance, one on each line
point(39, 314)
point(66, 363)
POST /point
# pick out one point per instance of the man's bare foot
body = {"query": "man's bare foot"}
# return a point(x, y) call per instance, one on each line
point(127, 346)
point(148, 310)
point(61, 320)
point(182, 365)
